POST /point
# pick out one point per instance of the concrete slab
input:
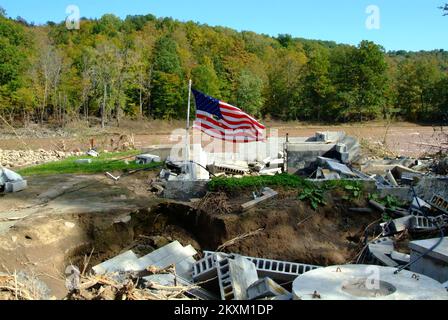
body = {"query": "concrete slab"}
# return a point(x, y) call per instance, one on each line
point(122, 263)
point(363, 282)
point(435, 263)
point(401, 258)
point(242, 274)
point(264, 288)
point(170, 254)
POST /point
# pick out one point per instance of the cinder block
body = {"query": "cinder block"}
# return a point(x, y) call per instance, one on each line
point(235, 276)
point(278, 270)
point(16, 186)
point(440, 203)
point(265, 288)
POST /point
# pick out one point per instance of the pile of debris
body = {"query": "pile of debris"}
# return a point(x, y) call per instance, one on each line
point(21, 286)
point(11, 181)
point(19, 158)
point(130, 287)
point(172, 272)
point(266, 167)
point(421, 220)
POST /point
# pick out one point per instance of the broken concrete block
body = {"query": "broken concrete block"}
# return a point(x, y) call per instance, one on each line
point(276, 163)
point(418, 203)
point(264, 288)
point(147, 159)
point(335, 166)
point(422, 223)
point(10, 176)
point(397, 225)
point(15, 186)
point(235, 277)
point(440, 203)
point(233, 169)
point(391, 178)
point(435, 263)
point(124, 262)
point(171, 254)
point(341, 148)
point(277, 270)
point(267, 194)
point(379, 254)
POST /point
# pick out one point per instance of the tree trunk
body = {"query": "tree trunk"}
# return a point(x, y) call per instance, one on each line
point(103, 108)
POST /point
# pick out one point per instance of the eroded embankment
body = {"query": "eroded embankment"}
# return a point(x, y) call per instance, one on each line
point(292, 231)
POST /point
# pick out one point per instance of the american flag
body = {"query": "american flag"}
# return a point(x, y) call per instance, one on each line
point(225, 122)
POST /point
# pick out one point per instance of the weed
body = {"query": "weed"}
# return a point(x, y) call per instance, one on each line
point(314, 195)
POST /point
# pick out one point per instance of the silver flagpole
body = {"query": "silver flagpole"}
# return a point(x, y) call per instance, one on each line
point(187, 131)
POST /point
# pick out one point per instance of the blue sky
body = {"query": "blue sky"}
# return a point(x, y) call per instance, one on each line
point(404, 24)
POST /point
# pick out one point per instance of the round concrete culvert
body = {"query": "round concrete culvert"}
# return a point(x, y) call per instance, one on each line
point(363, 282)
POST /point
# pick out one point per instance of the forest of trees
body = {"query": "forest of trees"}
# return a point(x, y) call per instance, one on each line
point(139, 68)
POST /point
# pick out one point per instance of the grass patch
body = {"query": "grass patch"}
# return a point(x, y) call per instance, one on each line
point(105, 162)
point(313, 193)
point(233, 184)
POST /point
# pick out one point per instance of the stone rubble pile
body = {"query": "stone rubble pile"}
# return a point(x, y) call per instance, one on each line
point(19, 158)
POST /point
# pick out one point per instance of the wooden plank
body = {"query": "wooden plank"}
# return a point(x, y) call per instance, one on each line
point(268, 194)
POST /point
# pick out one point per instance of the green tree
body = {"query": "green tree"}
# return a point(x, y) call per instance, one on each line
point(167, 86)
point(205, 78)
point(416, 80)
point(317, 85)
point(372, 80)
point(166, 56)
point(250, 93)
point(360, 79)
point(441, 100)
point(285, 85)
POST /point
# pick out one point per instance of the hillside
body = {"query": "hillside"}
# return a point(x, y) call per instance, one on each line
point(139, 67)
